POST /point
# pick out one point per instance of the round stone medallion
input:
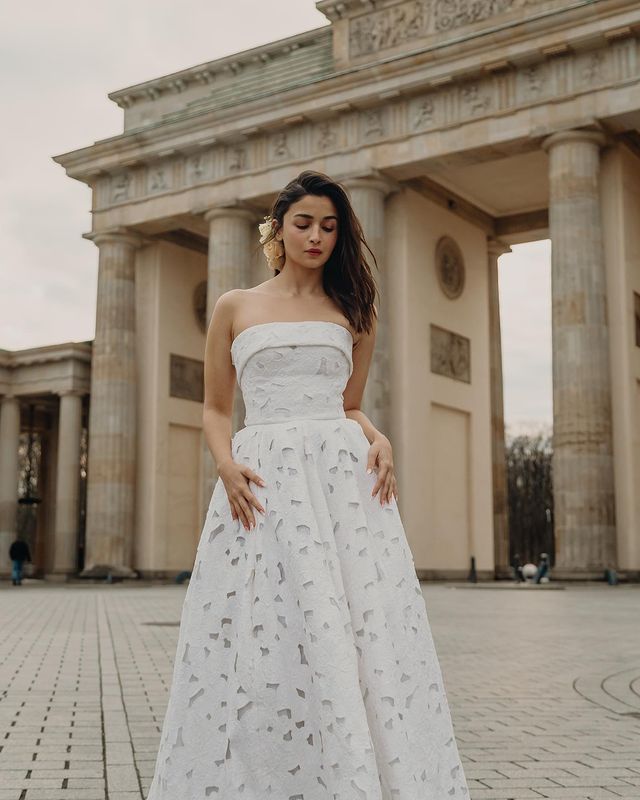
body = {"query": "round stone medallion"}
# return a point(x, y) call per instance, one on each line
point(450, 267)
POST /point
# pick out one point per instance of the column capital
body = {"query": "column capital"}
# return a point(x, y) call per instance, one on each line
point(239, 210)
point(497, 248)
point(71, 393)
point(119, 234)
point(374, 179)
point(597, 138)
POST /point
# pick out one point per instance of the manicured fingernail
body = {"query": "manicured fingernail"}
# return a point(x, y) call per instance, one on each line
point(369, 471)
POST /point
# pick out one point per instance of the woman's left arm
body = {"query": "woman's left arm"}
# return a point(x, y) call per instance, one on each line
point(380, 457)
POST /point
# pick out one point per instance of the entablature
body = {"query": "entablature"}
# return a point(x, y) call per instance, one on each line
point(391, 107)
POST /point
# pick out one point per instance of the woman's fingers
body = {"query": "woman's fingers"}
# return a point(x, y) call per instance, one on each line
point(247, 502)
point(242, 500)
point(383, 473)
point(255, 502)
point(386, 483)
point(245, 513)
point(385, 489)
point(253, 476)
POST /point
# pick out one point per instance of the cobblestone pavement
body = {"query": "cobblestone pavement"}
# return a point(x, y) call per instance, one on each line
point(544, 687)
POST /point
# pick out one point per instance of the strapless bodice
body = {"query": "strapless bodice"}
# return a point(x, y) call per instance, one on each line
point(292, 370)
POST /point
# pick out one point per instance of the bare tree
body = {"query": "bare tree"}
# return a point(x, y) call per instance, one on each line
point(530, 496)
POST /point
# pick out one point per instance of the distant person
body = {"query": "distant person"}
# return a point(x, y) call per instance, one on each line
point(18, 553)
point(516, 566)
point(543, 568)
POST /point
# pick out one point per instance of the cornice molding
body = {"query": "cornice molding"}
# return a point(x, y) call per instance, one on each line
point(204, 74)
point(47, 354)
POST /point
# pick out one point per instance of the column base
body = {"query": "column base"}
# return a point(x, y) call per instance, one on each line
point(578, 574)
point(57, 577)
point(108, 571)
point(456, 575)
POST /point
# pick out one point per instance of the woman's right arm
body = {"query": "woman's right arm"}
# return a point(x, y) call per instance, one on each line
point(219, 380)
point(219, 389)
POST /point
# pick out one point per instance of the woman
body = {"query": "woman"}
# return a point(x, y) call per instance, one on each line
point(305, 667)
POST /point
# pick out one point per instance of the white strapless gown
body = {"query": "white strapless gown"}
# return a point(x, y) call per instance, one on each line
point(305, 667)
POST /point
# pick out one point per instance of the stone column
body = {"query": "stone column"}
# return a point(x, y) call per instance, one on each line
point(367, 195)
point(495, 249)
point(583, 482)
point(233, 236)
point(9, 445)
point(112, 414)
point(65, 538)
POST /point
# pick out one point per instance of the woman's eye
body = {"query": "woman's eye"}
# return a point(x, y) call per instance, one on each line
point(304, 228)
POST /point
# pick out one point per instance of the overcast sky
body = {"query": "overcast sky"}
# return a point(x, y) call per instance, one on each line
point(58, 61)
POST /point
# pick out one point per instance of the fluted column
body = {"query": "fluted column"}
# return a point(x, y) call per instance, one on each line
point(65, 550)
point(233, 235)
point(583, 482)
point(367, 195)
point(9, 445)
point(495, 249)
point(112, 413)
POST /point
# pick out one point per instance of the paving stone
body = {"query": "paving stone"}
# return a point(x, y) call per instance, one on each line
point(539, 684)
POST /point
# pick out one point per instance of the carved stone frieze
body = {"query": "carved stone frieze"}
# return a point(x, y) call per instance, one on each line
point(531, 82)
point(372, 124)
point(326, 136)
point(120, 187)
point(237, 159)
point(437, 108)
point(389, 27)
point(418, 19)
point(280, 147)
point(159, 177)
point(450, 14)
point(198, 168)
point(476, 99)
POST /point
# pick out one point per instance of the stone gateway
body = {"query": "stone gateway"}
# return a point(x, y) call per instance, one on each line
point(488, 122)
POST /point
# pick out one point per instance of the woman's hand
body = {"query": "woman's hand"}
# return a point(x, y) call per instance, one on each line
point(380, 459)
point(236, 478)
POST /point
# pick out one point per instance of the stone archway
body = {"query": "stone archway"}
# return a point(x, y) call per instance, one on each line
point(484, 122)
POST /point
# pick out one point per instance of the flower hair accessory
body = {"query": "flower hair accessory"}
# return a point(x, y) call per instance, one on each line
point(273, 249)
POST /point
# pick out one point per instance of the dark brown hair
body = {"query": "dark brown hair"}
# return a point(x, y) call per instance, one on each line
point(347, 277)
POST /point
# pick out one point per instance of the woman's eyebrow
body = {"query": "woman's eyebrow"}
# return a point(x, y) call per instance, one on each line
point(310, 216)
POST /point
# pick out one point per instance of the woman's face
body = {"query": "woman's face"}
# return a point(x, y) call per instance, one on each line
point(310, 224)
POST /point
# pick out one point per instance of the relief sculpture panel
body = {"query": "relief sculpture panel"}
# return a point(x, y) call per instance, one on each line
point(450, 354)
point(417, 19)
